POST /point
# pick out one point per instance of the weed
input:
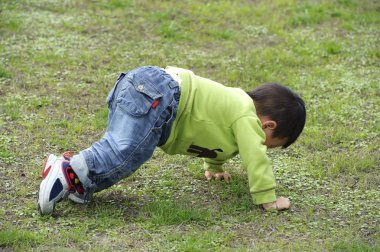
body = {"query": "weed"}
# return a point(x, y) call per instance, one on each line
point(332, 47)
point(4, 73)
point(6, 156)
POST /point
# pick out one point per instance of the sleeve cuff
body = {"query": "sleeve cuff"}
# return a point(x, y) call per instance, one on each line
point(212, 167)
point(264, 197)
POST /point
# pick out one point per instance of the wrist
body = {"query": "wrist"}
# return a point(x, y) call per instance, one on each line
point(264, 197)
point(270, 205)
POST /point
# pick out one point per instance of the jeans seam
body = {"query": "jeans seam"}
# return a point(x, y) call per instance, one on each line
point(168, 120)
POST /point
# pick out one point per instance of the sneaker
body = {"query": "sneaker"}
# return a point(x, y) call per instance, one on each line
point(78, 198)
point(58, 180)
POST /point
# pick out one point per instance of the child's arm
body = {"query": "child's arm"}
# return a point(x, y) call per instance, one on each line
point(250, 138)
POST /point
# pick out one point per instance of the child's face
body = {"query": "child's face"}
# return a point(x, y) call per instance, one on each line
point(273, 142)
point(268, 126)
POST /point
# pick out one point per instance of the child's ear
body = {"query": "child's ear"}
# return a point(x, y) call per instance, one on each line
point(269, 124)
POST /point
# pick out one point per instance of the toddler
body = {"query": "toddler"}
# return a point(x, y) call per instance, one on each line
point(181, 113)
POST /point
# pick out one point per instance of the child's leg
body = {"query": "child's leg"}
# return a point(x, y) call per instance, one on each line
point(142, 107)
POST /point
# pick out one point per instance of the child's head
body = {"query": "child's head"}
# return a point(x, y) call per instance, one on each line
point(283, 110)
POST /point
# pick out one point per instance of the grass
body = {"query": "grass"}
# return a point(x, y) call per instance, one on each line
point(18, 238)
point(58, 59)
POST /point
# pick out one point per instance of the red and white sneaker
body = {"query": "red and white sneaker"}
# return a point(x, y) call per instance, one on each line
point(79, 198)
point(58, 180)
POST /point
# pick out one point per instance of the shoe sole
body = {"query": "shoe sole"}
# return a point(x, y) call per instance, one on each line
point(77, 200)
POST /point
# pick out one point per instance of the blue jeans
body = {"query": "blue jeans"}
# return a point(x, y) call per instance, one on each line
point(142, 107)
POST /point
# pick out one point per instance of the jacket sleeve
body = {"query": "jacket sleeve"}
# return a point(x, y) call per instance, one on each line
point(250, 138)
point(213, 165)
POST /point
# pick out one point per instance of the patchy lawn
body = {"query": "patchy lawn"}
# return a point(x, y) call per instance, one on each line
point(60, 58)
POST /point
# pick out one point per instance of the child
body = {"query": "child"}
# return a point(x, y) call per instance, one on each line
point(181, 113)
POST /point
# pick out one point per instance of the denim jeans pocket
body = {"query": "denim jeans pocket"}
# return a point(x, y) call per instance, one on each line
point(138, 97)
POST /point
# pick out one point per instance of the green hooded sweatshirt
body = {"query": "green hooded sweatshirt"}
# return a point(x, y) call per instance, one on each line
point(216, 123)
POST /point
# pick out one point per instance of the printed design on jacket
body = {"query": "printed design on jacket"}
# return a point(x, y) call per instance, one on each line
point(203, 152)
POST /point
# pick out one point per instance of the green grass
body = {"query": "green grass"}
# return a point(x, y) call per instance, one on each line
point(167, 212)
point(24, 238)
point(60, 58)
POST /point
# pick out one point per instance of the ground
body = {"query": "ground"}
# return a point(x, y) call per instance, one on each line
point(60, 58)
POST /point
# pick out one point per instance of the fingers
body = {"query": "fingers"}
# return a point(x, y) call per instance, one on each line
point(218, 176)
point(282, 203)
point(227, 177)
point(209, 175)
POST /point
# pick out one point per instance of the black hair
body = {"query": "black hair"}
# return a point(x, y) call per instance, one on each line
point(283, 106)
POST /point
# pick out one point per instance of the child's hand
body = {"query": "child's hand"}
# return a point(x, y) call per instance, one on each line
point(218, 176)
point(281, 203)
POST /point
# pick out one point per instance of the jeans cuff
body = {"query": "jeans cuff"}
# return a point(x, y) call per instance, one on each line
point(80, 166)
